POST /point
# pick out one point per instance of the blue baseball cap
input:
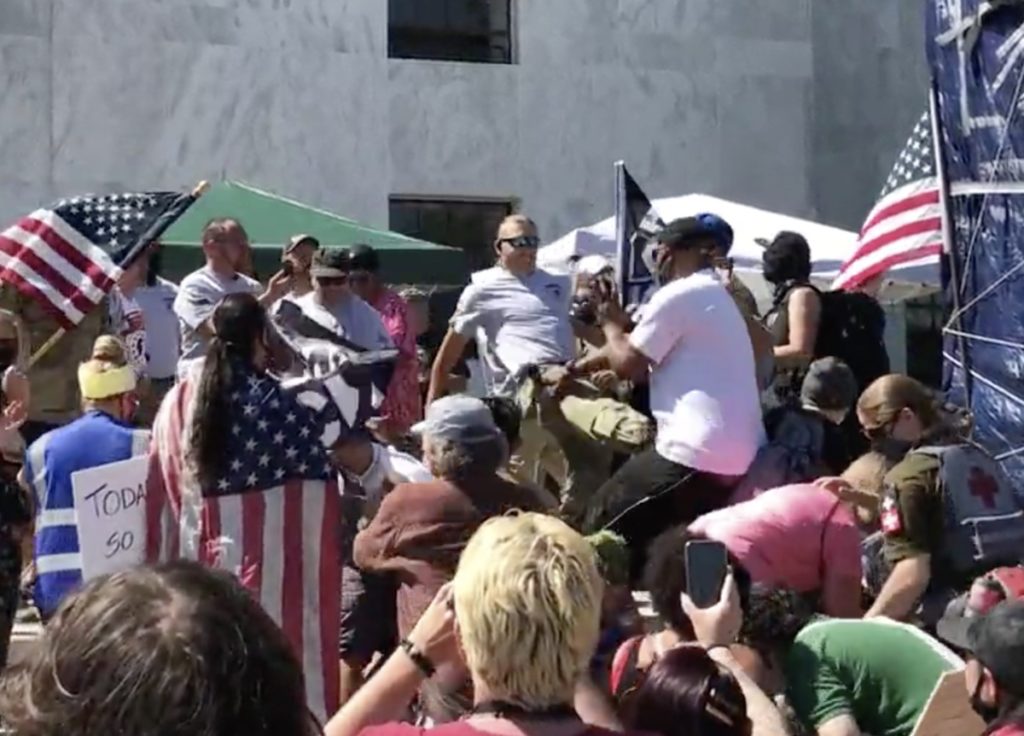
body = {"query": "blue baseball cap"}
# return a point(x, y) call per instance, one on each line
point(721, 229)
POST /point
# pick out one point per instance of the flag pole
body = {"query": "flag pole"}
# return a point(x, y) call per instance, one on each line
point(621, 252)
point(948, 241)
point(154, 232)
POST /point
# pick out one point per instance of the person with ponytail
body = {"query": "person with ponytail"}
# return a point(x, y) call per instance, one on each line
point(241, 480)
point(103, 434)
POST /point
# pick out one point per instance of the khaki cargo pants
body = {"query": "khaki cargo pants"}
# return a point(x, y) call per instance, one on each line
point(573, 439)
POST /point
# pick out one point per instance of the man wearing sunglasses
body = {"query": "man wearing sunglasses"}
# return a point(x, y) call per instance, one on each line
point(519, 316)
point(334, 306)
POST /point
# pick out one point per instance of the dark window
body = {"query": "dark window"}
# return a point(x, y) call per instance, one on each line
point(467, 224)
point(450, 30)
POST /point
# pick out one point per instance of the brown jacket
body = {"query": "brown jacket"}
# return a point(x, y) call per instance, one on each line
point(421, 529)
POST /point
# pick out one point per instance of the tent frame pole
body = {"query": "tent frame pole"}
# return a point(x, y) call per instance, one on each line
point(949, 243)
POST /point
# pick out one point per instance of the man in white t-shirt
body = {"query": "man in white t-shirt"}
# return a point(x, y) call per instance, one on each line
point(519, 316)
point(226, 247)
point(691, 344)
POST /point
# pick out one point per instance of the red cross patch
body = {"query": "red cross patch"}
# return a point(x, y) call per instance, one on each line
point(983, 486)
point(892, 520)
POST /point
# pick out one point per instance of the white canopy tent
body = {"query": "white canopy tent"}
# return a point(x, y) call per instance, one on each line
point(830, 246)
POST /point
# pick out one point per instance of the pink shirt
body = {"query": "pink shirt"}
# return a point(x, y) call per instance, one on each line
point(801, 537)
point(402, 405)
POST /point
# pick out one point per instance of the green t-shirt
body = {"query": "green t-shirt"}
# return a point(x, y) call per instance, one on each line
point(880, 672)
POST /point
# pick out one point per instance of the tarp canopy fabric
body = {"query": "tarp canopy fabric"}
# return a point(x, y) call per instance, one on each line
point(830, 246)
point(975, 53)
point(270, 220)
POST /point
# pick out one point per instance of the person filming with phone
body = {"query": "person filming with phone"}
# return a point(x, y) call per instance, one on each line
point(692, 345)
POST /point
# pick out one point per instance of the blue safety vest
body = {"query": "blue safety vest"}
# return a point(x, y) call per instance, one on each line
point(93, 439)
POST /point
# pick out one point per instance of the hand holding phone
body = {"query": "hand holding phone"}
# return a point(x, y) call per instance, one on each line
point(707, 563)
point(719, 625)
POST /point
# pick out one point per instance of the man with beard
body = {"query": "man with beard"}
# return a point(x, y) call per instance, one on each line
point(226, 248)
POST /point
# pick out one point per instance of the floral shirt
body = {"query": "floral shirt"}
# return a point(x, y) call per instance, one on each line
point(402, 405)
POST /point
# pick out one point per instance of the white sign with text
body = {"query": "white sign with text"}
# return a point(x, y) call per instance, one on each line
point(111, 510)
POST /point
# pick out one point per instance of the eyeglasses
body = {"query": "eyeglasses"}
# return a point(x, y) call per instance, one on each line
point(880, 432)
point(522, 241)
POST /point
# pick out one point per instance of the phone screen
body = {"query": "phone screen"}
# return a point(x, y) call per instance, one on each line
point(706, 565)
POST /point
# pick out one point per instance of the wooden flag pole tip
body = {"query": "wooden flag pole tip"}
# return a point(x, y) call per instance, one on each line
point(201, 188)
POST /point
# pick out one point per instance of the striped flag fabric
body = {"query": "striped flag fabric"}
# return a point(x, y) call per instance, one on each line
point(905, 225)
point(68, 256)
point(274, 518)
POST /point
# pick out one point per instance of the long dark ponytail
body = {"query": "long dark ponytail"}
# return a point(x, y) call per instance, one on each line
point(239, 324)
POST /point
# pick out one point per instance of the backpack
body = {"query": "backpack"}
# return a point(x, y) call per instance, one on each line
point(851, 328)
point(983, 514)
point(794, 453)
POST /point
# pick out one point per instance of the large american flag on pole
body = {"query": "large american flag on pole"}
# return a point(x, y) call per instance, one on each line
point(68, 256)
point(905, 225)
point(274, 518)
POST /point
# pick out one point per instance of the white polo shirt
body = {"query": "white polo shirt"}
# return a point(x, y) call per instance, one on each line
point(522, 320)
point(703, 387)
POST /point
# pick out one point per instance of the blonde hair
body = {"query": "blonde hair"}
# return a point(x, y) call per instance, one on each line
point(867, 473)
point(884, 399)
point(528, 603)
point(866, 476)
point(108, 353)
point(517, 219)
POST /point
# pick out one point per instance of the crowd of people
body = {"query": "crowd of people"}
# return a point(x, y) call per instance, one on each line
point(467, 564)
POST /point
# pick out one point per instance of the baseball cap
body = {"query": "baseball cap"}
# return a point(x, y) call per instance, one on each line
point(330, 263)
point(685, 232)
point(296, 240)
point(363, 258)
point(988, 622)
point(459, 418)
point(721, 229)
point(829, 385)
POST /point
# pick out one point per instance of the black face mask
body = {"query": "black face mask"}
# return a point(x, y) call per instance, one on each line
point(988, 713)
point(891, 448)
point(8, 352)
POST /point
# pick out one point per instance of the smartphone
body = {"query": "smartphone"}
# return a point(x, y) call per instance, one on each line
point(707, 563)
point(287, 268)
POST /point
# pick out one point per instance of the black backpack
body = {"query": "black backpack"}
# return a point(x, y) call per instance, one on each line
point(852, 329)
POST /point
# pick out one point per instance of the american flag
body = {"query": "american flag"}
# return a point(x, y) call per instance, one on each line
point(905, 225)
point(69, 256)
point(274, 518)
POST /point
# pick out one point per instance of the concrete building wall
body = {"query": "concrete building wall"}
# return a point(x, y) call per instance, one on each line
point(775, 104)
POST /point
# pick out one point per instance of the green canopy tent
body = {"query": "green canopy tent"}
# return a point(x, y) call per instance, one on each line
point(270, 220)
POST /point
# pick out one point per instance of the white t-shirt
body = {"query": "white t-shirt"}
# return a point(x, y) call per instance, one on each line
point(703, 387)
point(198, 295)
point(523, 321)
point(162, 336)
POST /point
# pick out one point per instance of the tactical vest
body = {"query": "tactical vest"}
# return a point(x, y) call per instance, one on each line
point(983, 516)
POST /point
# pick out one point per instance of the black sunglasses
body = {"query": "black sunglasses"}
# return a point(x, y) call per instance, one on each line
point(332, 280)
point(522, 241)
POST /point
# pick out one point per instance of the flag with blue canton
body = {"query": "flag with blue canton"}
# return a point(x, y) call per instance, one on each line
point(272, 517)
point(69, 256)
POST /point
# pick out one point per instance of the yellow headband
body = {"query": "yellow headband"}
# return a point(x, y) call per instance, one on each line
point(95, 385)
